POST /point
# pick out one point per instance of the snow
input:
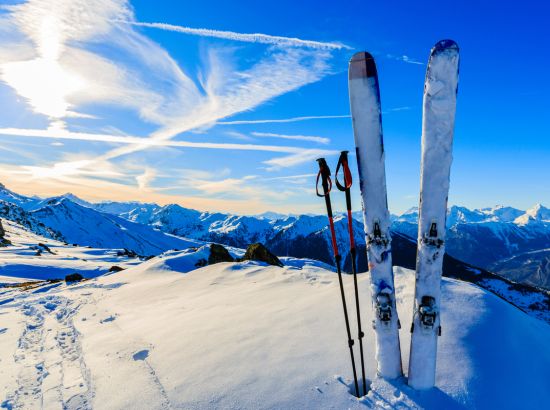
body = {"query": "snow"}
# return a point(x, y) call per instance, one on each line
point(20, 260)
point(247, 335)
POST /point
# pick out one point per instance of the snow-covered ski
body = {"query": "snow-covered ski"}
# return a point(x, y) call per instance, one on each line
point(367, 128)
point(439, 107)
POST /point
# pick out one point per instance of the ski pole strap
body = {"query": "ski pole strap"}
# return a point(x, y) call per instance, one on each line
point(343, 163)
point(324, 175)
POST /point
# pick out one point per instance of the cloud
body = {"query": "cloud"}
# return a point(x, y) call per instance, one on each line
point(292, 160)
point(283, 120)
point(249, 38)
point(142, 142)
point(85, 57)
point(396, 109)
point(403, 58)
point(319, 140)
point(239, 135)
point(145, 179)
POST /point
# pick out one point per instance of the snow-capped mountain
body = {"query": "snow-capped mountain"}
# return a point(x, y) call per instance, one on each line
point(490, 237)
point(487, 237)
point(82, 225)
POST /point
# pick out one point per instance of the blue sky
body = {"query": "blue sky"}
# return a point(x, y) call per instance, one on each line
point(129, 101)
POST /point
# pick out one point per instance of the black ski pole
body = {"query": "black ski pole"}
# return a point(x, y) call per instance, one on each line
point(343, 163)
point(324, 174)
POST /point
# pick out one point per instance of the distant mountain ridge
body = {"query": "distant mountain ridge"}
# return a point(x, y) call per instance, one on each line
point(491, 238)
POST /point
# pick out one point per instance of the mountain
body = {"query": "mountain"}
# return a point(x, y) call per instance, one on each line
point(82, 225)
point(491, 236)
point(529, 267)
point(164, 335)
point(13, 212)
point(132, 211)
point(487, 237)
point(9, 196)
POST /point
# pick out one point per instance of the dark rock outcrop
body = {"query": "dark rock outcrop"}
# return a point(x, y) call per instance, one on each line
point(73, 277)
point(219, 254)
point(258, 252)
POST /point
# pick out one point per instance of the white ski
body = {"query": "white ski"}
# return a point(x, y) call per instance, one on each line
point(367, 128)
point(440, 90)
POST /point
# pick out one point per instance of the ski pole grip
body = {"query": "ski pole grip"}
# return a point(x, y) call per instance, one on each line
point(343, 164)
point(324, 175)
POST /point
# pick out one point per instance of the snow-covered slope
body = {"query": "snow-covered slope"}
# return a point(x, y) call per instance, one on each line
point(84, 225)
point(251, 336)
point(31, 256)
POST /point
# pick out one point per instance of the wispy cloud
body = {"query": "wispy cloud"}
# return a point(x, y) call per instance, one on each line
point(397, 109)
point(145, 142)
point(403, 58)
point(292, 160)
point(283, 120)
point(249, 38)
point(320, 140)
point(63, 58)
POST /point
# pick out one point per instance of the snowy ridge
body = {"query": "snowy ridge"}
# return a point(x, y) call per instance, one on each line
point(482, 237)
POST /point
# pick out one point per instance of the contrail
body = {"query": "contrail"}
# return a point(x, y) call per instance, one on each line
point(249, 38)
point(294, 119)
point(320, 140)
point(68, 135)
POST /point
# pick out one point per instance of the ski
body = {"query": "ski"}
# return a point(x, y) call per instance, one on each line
point(367, 128)
point(439, 106)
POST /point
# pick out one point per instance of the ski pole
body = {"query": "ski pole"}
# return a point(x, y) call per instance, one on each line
point(324, 175)
point(343, 163)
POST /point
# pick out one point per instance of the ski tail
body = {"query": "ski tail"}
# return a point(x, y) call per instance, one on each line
point(439, 106)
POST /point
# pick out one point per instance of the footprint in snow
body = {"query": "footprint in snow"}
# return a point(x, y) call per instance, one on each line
point(141, 355)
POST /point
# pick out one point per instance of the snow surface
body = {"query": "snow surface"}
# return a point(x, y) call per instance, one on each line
point(251, 336)
point(20, 260)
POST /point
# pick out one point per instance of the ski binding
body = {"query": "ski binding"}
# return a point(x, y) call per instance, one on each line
point(383, 308)
point(432, 238)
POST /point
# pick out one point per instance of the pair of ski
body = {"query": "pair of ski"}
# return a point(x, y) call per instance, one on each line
point(439, 106)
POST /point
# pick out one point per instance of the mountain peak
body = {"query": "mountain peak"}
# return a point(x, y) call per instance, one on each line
point(539, 212)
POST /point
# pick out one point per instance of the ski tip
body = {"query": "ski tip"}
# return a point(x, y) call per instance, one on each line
point(362, 65)
point(444, 45)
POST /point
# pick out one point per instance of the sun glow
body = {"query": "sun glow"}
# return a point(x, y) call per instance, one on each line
point(43, 81)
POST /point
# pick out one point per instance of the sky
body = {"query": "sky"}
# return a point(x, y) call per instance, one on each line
point(225, 106)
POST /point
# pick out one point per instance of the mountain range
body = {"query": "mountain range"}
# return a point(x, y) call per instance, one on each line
point(504, 240)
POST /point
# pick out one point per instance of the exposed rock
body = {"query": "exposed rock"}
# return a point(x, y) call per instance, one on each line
point(3, 241)
point(219, 254)
point(73, 277)
point(115, 268)
point(258, 252)
point(201, 262)
point(46, 248)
